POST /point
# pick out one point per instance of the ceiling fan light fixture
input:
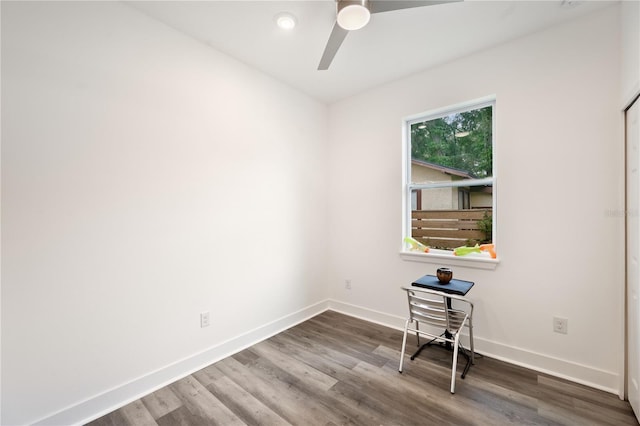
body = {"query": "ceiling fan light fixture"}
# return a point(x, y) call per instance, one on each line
point(353, 15)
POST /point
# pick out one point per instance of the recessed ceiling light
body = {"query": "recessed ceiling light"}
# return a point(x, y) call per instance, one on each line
point(285, 21)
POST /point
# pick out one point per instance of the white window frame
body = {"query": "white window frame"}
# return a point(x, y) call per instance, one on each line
point(445, 257)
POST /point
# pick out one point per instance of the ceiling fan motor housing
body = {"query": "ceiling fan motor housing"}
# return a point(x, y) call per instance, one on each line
point(353, 14)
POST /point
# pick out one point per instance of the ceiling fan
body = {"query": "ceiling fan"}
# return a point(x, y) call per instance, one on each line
point(354, 14)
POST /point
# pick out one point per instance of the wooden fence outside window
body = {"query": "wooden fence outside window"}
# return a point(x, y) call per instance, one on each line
point(448, 229)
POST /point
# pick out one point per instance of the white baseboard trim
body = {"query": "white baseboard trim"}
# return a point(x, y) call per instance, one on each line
point(99, 405)
point(583, 374)
point(367, 314)
point(579, 373)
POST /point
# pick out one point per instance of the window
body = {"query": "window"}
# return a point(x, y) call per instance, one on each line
point(449, 178)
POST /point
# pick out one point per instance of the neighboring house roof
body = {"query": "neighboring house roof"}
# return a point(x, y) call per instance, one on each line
point(443, 169)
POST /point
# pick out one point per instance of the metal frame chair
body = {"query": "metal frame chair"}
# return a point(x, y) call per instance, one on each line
point(433, 308)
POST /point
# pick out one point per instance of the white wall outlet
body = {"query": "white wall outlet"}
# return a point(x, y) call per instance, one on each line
point(560, 325)
point(204, 319)
point(347, 284)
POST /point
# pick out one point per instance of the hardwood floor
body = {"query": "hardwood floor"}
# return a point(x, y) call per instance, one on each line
point(335, 370)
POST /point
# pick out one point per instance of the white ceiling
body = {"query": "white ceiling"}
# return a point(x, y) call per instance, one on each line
point(393, 44)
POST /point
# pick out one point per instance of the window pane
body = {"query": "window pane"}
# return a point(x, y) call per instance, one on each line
point(444, 223)
point(457, 146)
point(450, 177)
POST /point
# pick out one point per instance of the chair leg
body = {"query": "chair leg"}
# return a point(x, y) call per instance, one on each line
point(404, 344)
point(473, 361)
point(455, 362)
point(417, 332)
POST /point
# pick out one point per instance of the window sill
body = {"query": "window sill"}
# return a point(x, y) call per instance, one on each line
point(447, 259)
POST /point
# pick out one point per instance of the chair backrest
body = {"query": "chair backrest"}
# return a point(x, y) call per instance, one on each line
point(430, 307)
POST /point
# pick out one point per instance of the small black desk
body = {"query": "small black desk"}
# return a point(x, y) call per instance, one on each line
point(454, 286)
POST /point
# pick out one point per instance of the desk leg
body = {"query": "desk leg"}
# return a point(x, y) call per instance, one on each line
point(461, 350)
point(421, 348)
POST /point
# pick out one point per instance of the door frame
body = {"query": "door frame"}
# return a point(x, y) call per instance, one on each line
point(624, 383)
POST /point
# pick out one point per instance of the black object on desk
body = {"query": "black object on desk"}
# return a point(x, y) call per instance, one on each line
point(459, 287)
point(452, 287)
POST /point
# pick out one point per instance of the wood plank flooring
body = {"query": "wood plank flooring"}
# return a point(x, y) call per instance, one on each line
point(337, 370)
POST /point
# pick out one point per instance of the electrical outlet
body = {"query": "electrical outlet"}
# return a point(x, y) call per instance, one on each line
point(347, 284)
point(560, 325)
point(204, 319)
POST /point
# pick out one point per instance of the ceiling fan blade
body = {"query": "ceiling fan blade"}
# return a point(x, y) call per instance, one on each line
point(336, 38)
point(378, 6)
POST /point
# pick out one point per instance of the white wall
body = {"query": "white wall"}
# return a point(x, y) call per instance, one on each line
point(133, 159)
point(630, 46)
point(559, 193)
